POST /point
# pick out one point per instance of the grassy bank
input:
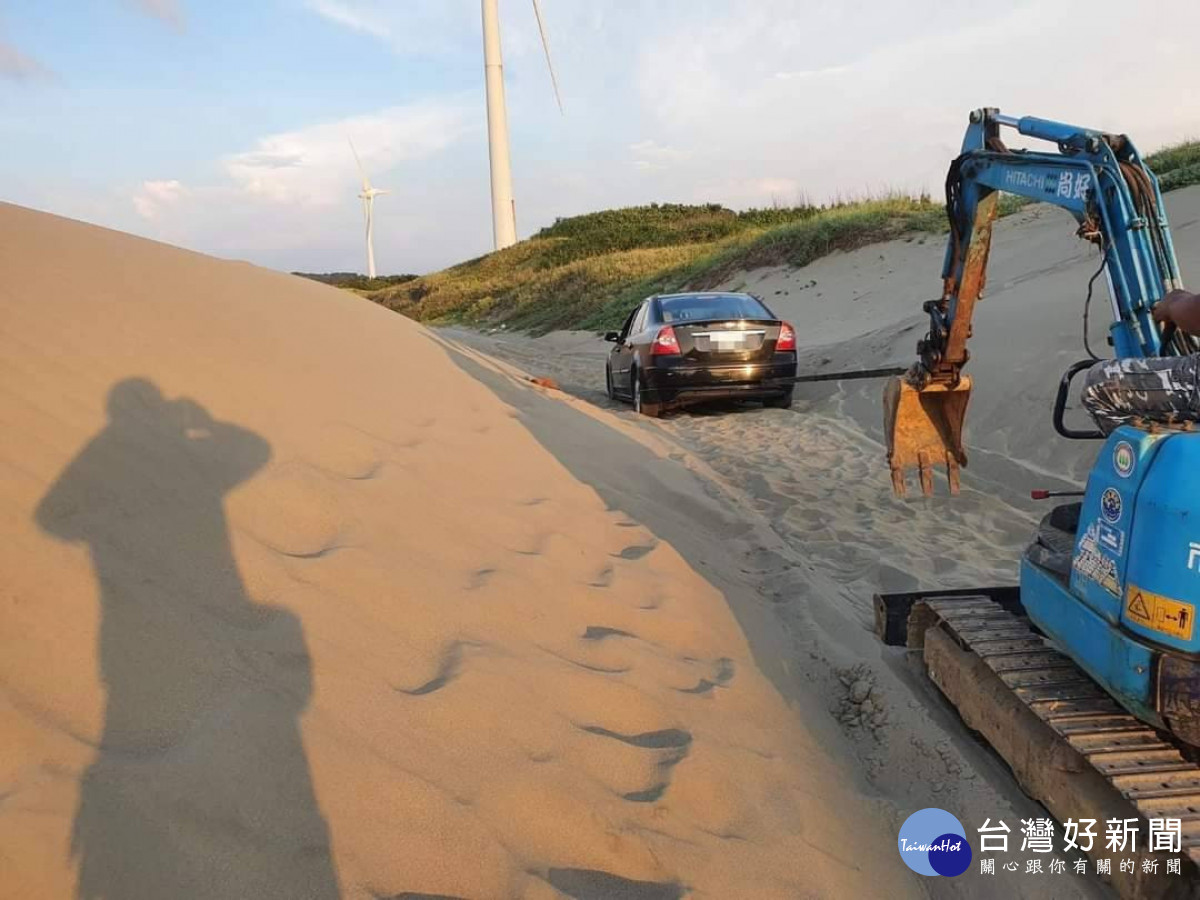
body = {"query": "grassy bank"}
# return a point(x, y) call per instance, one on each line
point(355, 282)
point(588, 271)
point(1177, 166)
point(844, 227)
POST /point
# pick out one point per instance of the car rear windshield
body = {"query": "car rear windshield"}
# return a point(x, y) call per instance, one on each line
point(722, 306)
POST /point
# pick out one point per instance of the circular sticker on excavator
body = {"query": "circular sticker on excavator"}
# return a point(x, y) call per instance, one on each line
point(1111, 506)
point(1123, 459)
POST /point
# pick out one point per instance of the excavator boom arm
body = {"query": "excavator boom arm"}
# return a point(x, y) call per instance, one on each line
point(1101, 180)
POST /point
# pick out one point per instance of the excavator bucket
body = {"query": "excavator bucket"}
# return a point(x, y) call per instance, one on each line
point(924, 429)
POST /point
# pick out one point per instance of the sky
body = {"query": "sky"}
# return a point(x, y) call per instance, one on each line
point(222, 125)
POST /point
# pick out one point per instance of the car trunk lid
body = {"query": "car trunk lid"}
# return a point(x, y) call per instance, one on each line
point(718, 342)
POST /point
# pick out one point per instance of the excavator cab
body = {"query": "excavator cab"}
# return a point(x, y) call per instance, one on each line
point(924, 428)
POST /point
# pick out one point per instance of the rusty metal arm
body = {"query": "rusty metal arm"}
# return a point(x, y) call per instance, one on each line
point(1103, 182)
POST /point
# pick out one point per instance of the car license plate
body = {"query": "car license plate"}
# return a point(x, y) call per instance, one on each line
point(724, 341)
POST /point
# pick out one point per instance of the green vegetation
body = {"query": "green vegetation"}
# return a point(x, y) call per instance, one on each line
point(665, 225)
point(566, 273)
point(588, 271)
point(1177, 166)
point(843, 227)
point(355, 282)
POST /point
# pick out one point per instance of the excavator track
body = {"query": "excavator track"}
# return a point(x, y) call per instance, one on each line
point(1070, 745)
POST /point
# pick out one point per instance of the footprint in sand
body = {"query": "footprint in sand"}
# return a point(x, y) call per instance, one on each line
point(593, 884)
point(449, 667)
point(721, 675)
point(651, 740)
point(666, 748)
point(637, 551)
point(345, 451)
point(535, 546)
point(297, 511)
point(600, 632)
point(479, 578)
point(604, 578)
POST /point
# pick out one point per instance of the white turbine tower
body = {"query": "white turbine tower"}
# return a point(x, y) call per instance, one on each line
point(504, 213)
point(368, 196)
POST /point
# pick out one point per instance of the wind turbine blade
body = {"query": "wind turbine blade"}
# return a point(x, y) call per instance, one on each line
point(358, 162)
point(537, 11)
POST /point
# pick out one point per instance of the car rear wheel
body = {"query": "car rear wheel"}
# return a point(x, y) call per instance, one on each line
point(653, 410)
point(783, 401)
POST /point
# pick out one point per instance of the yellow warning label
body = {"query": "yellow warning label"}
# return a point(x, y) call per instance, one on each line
point(1171, 617)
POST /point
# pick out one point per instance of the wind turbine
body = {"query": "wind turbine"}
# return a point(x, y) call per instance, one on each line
point(504, 212)
point(368, 196)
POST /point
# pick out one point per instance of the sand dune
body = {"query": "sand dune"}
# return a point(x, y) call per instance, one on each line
point(294, 607)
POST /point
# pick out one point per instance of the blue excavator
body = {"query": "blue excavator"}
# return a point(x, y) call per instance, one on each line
point(1099, 645)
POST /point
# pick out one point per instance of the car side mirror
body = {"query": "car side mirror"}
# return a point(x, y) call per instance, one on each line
point(612, 336)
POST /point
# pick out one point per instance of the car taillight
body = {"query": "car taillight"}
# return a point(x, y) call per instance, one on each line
point(665, 344)
point(787, 337)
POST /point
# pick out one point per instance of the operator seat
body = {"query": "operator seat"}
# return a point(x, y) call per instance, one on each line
point(1054, 544)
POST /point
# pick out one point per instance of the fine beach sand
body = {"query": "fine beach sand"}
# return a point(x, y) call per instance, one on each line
point(816, 482)
point(293, 606)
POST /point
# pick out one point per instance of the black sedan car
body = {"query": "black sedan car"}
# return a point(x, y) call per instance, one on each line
point(681, 348)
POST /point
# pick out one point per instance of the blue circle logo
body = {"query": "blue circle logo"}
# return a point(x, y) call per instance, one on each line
point(933, 842)
point(1123, 459)
point(1111, 506)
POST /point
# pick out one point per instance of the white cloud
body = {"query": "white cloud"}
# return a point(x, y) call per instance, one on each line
point(314, 165)
point(779, 188)
point(650, 155)
point(447, 28)
point(412, 27)
point(870, 106)
point(290, 200)
point(799, 74)
point(153, 196)
point(168, 11)
point(17, 66)
point(666, 100)
point(350, 16)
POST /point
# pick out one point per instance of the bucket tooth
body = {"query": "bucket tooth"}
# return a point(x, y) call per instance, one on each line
point(952, 473)
point(925, 468)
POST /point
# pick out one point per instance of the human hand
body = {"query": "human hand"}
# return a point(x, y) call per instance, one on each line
point(194, 418)
point(1181, 308)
